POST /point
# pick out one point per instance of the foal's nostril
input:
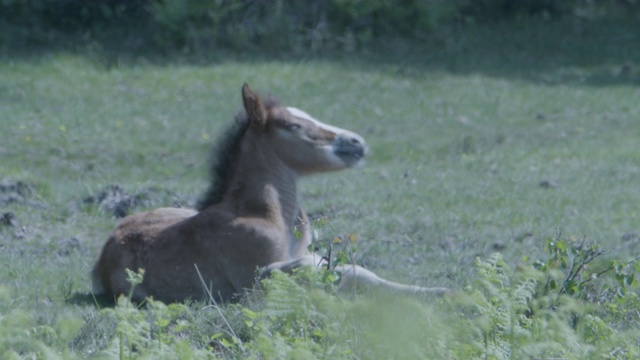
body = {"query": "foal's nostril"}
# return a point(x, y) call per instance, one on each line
point(352, 143)
point(350, 148)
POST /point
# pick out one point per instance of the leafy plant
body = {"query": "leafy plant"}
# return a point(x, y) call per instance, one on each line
point(544, 309)
point(581, 278)
point(341, 250)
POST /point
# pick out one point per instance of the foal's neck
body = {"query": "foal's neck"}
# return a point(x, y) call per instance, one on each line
point(263, 186)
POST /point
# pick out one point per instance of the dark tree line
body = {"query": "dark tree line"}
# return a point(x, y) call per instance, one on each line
point(272, 24)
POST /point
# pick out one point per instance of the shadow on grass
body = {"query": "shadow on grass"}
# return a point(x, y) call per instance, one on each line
point(600, 52)
point(89, 299)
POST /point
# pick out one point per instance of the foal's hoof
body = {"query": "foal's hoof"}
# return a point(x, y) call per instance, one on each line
point(437, 291)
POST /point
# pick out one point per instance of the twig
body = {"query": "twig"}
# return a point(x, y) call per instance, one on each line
point(578, 263)
point(353, 264)
point(215, 306)
point(607, 270)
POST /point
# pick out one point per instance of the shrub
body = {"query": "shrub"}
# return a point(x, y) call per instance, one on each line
point(506, 312)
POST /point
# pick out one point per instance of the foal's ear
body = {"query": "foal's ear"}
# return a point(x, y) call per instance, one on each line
point(253, 105)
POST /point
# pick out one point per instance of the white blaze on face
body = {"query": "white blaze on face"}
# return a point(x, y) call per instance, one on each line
point(334, 129)
point(339, 162)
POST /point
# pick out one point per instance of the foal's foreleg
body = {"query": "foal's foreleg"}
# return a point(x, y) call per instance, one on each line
point(353, 277)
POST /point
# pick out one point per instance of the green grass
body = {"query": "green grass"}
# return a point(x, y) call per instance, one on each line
point(463, 130)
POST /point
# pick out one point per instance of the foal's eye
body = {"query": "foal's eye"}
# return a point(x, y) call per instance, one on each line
point(293, 127)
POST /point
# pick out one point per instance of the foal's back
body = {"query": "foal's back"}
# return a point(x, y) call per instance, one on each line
point(179, 247)
point(136, 233)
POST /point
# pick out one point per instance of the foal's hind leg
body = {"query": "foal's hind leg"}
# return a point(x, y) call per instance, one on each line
point(288, 266)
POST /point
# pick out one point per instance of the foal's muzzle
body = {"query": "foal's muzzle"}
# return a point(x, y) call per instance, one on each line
point(350, 148)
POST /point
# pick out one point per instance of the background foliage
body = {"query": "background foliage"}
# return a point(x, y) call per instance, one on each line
point(202, 25)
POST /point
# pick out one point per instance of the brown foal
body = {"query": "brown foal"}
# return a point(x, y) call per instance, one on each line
point(246, 222)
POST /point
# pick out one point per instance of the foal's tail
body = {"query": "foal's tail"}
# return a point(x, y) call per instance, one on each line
point(97, 285)
point(101, 273)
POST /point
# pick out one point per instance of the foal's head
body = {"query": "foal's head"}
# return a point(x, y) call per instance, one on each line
point(303, 143)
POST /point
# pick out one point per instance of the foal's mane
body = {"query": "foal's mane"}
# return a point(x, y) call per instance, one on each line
point(224, 157)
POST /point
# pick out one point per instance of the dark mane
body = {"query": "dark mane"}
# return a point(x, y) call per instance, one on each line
point(224, 157)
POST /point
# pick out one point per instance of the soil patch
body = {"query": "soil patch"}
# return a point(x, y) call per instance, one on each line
point(117, 201)
point(17, 192)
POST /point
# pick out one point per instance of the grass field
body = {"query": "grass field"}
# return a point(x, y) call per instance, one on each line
point(484, 140)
